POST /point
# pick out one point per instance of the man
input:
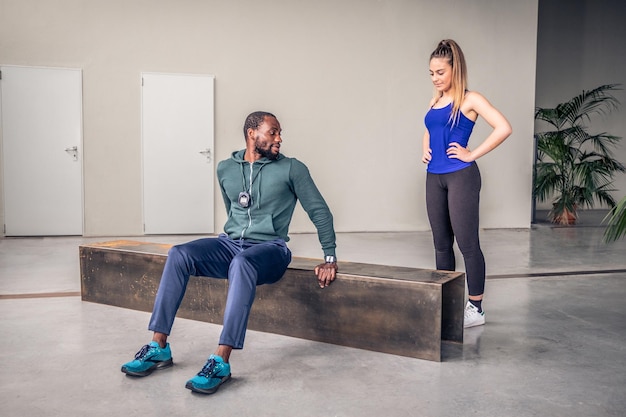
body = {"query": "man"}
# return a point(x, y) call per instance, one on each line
point(260, 187)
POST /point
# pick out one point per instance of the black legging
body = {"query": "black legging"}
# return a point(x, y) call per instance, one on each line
point(452, 203)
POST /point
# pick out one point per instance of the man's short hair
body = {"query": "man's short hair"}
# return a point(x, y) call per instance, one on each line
point(254, 120)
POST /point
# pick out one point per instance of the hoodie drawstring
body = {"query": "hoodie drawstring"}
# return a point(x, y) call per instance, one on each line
point(252, 179)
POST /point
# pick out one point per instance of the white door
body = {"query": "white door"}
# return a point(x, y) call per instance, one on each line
point(42, 142)
point(177, 138)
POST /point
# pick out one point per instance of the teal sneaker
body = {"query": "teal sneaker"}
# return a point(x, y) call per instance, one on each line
point(149, 358)
point(214, 373)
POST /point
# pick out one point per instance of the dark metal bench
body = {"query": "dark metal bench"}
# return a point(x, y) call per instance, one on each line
point(391, 309)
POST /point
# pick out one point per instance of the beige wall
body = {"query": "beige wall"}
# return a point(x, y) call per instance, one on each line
point(348, 80)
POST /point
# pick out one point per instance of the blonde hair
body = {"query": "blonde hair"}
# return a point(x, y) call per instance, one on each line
point(451, 51)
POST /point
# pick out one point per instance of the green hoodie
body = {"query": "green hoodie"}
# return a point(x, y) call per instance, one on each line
point(275, 186)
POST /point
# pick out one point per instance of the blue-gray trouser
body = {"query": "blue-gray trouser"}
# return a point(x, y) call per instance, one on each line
point(244, 263)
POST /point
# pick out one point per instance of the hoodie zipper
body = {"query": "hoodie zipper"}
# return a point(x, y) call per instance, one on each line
point(243, 232)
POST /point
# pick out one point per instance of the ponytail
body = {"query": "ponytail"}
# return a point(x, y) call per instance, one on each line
point(451, 51)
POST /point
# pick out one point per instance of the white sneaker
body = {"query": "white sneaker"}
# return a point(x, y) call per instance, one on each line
point(472, 317)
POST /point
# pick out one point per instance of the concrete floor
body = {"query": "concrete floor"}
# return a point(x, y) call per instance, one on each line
point(554, 343)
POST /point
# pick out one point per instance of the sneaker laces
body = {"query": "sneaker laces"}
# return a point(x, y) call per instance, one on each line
point(208, 369)
point(470, 311)
point(143, 352)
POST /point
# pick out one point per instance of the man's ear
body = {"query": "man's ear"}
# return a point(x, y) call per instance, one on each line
point(249, 133)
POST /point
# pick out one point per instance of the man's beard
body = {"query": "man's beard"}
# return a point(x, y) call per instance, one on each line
point(267, 153)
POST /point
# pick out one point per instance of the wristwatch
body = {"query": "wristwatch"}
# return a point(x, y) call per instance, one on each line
point(330, 259)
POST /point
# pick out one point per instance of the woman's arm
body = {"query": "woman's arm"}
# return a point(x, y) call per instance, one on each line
point(476, 104)
point(426, 150)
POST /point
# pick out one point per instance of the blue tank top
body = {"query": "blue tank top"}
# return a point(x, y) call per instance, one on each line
point(441, 135)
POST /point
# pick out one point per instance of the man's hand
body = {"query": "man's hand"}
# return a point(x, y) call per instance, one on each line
point(326, 273)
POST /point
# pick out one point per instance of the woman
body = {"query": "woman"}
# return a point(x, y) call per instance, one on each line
point(453, 179)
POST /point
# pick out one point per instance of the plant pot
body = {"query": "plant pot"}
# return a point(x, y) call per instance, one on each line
point(566, 217)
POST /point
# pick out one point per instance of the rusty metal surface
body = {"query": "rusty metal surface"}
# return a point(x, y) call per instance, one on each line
point(403, 311)
point(132, 246)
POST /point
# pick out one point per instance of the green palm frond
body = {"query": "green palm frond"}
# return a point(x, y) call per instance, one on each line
point(574, 167)
point(596, 101)
point(616, 227)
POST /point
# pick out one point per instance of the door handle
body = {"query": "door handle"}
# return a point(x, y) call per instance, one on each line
point(206, 153)
point(73, 151)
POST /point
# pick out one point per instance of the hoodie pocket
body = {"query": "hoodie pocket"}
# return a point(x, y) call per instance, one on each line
point(262, 225)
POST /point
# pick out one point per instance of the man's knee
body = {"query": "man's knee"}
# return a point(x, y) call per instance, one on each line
point(179, 259)
point(175, 250)
point(240, 266)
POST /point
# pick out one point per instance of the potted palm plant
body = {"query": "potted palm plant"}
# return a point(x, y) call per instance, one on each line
point(573, 167)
